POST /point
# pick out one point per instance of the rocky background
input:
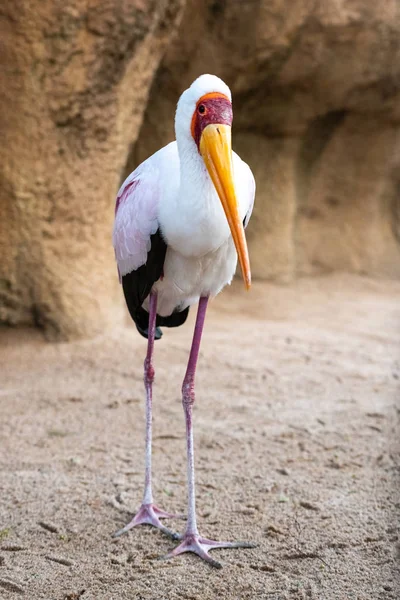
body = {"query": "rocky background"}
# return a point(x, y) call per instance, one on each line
point(89, 88)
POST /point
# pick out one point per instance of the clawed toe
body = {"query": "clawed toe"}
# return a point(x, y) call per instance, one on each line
point(149, 514)
point(201, 546)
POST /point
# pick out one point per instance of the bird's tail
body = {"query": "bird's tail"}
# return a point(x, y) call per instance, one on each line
point(141, 318)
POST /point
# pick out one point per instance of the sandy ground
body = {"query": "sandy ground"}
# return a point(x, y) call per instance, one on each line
point(295, 434)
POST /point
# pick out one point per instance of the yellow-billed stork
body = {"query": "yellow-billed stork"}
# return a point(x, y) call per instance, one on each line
point(179, 228)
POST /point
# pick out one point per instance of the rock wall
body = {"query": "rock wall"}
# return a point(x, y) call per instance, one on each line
point(90, 89)
point(72, 97)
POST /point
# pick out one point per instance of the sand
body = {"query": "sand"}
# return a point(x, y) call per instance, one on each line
point(297, 450)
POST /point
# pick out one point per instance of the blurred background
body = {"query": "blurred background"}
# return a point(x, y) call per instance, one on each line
point(89, 89)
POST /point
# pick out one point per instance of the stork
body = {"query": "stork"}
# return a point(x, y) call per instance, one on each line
point(179, 229)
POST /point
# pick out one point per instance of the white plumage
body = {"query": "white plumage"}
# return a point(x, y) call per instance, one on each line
point(172, 191)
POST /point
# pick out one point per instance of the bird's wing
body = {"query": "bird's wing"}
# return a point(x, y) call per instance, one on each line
point(136, 211)
point(139, 246)
point(245, 188)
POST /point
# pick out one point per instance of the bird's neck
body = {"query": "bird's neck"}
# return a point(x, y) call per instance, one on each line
point(200, 224)
point(196, 187)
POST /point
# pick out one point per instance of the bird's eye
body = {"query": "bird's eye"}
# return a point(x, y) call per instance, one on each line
point(202, 109)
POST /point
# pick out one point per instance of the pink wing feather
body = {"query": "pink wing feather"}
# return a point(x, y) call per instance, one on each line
point(136, 211)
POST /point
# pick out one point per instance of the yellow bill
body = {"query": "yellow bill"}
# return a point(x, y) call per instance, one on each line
point(216, 150)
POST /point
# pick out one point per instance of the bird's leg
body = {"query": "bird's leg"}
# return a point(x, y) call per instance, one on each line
point(148, 512)
point(191, 540)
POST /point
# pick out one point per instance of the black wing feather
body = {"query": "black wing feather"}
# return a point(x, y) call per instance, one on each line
point(137, 286)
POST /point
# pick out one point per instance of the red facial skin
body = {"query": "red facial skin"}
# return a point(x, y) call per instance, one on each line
point(211, 108)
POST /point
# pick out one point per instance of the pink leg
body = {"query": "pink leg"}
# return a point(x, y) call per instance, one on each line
point(192, 541)
point(148, 512)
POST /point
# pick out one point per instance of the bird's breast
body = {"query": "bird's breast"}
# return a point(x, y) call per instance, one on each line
point(187, 278)
point(195, 225)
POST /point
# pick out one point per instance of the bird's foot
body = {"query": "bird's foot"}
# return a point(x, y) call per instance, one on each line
point(201, 546)
point(149, 514)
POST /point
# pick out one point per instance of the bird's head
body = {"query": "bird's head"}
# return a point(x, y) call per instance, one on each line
point(204, 120)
